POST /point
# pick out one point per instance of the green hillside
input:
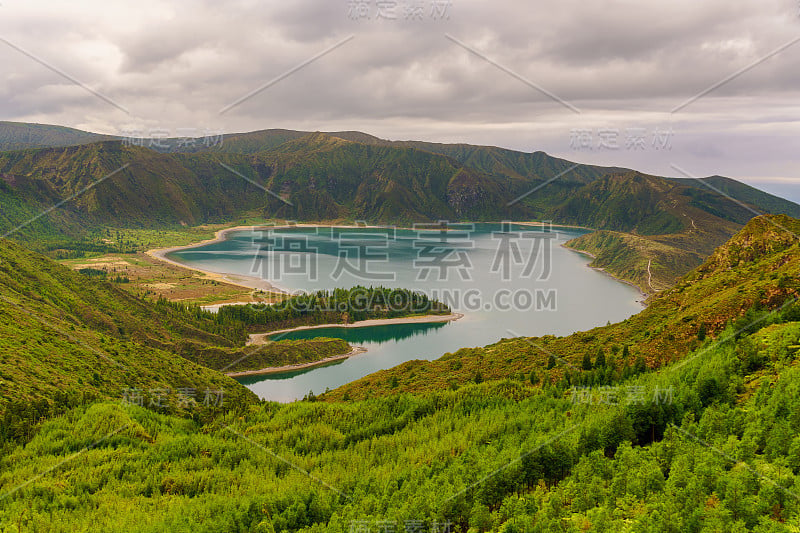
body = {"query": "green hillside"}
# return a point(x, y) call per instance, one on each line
point(647, 263)
point(19, 136)
point(68, 338)
point(707, 441)
point(745, 193)
point(662, 229)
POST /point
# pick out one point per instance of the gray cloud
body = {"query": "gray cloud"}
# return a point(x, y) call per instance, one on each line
point(625, 64)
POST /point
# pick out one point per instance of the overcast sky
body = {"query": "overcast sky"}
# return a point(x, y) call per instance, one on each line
point(611, 82)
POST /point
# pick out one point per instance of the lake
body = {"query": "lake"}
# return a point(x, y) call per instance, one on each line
point(507, 279)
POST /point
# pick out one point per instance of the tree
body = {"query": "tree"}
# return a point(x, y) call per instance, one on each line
point(600, 360)
point(551, 362)
point(480, 517)
point(587, 362)
point(701, 332)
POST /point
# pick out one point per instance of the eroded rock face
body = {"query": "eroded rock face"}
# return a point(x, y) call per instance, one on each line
point(466, 196)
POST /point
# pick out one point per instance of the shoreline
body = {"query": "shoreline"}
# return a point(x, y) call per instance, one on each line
point(553, 225)
point(247, 282)
point(260, 338)
point(239, 280)
point(300, 366)
point(645, 295)
point(255, 283)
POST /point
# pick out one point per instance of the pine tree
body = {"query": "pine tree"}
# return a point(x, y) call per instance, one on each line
point(600, 360)
point(587, 362)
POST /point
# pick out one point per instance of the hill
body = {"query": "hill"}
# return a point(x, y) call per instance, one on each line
point(745, 193)
point(67, 338)
point(20, 136)
point(657, 229)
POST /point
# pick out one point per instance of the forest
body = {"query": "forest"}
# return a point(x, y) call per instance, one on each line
point(706, 444)
point(333, 307)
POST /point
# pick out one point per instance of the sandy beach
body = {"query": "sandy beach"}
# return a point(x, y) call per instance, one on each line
point(260, 338)
point(544, 224)
point(247, 282)
point(290, 368)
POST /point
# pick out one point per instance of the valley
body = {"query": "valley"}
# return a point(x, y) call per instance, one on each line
point(117, 388)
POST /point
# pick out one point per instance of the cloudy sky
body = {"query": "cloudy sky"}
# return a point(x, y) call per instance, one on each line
point(671, 88)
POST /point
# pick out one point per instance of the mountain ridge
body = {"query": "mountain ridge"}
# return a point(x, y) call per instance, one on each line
point(350, 176)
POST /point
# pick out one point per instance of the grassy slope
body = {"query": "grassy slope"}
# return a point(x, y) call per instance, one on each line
point(729, 283)
point(649, 264)
point(658, 221)
point(62, 331)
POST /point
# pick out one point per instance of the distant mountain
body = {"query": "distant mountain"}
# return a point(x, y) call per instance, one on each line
point(648, 205)
point(20, 136)
point(514, 172)
point(322, 177)
point(764, 201)
point(660, 227)
point(153, 189)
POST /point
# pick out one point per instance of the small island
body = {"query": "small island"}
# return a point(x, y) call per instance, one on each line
point(260, 327)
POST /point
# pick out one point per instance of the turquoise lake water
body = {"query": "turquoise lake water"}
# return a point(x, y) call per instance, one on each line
point(507, 280)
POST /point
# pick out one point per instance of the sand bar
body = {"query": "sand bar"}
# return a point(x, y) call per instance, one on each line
point(290, 368)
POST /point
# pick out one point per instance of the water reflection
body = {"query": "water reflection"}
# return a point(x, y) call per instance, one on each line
point(371, 334)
